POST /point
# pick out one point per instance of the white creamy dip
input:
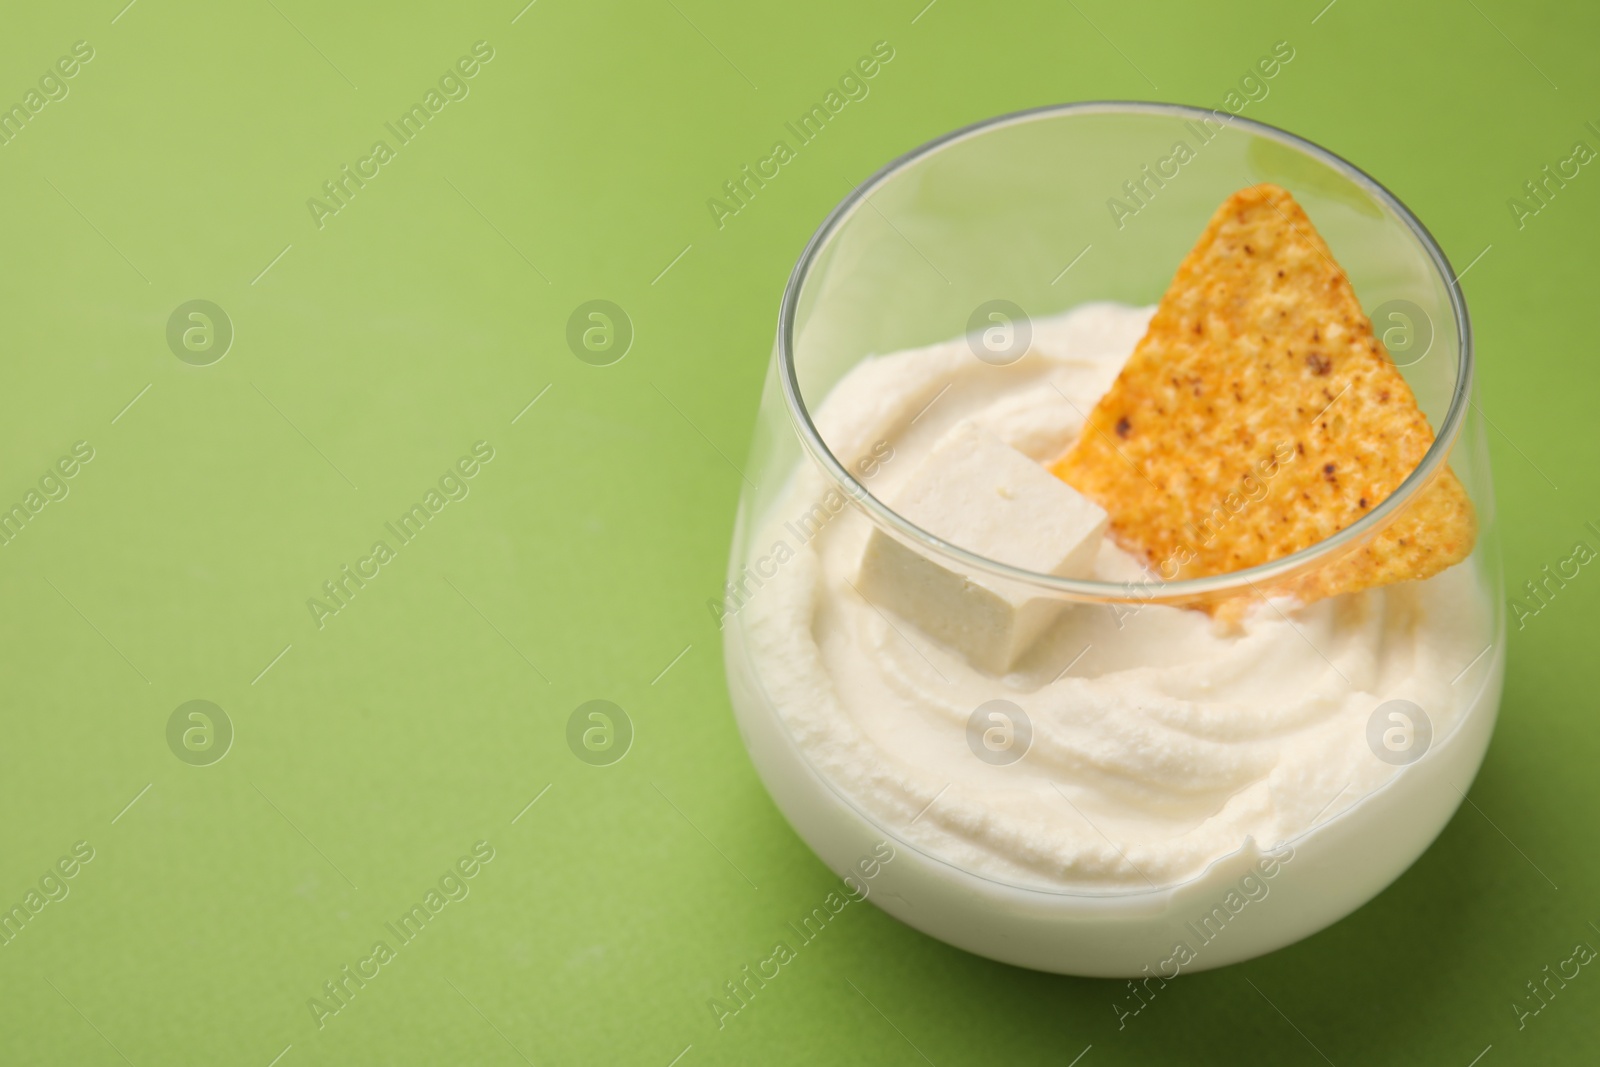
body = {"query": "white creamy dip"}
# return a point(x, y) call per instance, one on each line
point(1161, 740)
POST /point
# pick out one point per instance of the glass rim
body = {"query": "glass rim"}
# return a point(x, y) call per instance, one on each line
point(1090, 589)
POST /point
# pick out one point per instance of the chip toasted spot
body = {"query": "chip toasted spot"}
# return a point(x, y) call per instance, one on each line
point(1224, 398)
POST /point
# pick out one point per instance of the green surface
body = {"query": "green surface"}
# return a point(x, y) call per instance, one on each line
point(423, 717)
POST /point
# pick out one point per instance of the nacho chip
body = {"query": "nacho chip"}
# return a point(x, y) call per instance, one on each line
point(1260, 415)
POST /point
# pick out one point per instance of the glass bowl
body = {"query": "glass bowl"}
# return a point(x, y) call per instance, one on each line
point(1147, 791)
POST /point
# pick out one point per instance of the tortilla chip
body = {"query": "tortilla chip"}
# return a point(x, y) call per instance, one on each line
point(1260, 415)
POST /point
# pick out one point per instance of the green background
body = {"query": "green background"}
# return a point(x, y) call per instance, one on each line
point(424, 717)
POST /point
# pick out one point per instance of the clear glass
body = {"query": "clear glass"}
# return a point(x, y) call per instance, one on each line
point(1155, 759)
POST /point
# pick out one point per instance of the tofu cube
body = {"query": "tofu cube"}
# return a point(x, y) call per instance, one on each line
point(975, 491)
